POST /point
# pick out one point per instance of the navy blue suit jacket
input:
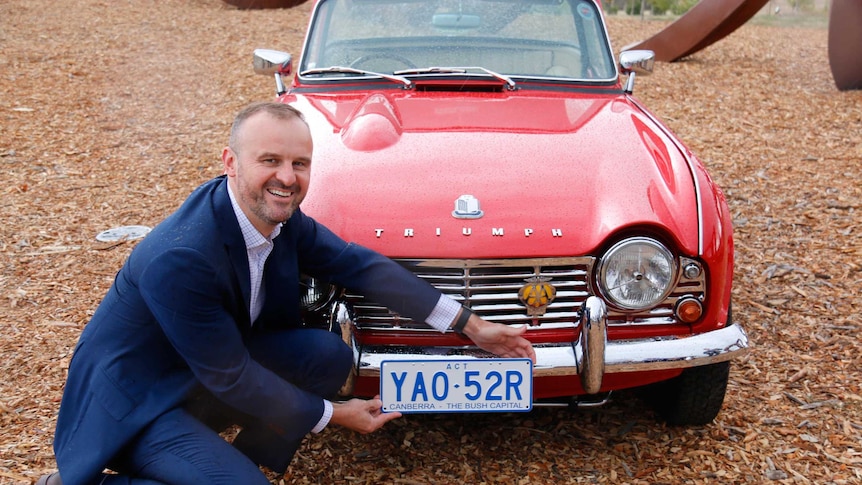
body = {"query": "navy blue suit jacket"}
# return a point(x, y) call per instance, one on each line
point(176, 316)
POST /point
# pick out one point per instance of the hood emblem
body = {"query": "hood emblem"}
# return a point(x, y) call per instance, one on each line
point(536, 295)
point(467, 207)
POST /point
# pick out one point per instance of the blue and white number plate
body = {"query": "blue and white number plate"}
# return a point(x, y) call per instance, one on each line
point(453, 386)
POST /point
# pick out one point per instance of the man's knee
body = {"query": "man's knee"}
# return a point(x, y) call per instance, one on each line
point(316, 360)
point(340, 354)
point(335, 361)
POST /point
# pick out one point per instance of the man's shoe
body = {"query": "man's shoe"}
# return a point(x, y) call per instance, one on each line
point(50, 479)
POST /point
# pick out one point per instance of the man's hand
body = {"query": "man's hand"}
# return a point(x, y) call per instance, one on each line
point(360, 415)
point(499, 339)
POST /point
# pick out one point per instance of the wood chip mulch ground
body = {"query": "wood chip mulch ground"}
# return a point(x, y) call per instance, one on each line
point(112, 111)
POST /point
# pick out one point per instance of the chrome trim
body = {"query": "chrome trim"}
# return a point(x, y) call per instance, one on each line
point(467, 207)
point(648, 241)
point(639, 61)
point(640, 355)
point(277, 63)
point(490, 288)
point(364, 74)
point(314, 22)
point(328, 295)
point(698, 195)
point(269, 61)
point(663, 353)
point(635, 62)
point(592, 344)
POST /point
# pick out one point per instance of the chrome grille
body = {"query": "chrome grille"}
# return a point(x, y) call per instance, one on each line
point(490, 289)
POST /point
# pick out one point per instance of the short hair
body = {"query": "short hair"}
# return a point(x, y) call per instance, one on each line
point(280, 111)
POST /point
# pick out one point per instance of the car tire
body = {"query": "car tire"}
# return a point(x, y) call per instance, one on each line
point(694, 397)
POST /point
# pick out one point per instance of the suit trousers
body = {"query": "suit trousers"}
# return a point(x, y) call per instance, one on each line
point(183, 446)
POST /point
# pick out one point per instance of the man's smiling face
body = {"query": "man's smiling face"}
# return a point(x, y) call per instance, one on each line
point(269, 168)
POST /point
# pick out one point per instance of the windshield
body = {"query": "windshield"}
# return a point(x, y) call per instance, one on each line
point(524, 38)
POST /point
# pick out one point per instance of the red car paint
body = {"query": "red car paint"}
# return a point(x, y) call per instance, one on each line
point(562, 167)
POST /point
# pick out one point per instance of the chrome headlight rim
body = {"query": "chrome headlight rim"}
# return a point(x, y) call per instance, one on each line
point(605, 263)
point(315, 294)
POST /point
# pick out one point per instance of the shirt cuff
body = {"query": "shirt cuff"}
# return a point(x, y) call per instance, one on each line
point(324, 420)
point(444, 313)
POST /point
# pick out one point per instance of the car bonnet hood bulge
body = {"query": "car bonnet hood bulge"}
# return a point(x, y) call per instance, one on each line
point(553, 175)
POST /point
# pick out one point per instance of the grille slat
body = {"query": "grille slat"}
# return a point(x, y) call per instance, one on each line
point(490, 288)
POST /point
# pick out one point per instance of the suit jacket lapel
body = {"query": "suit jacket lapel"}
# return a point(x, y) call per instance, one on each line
point(235, 247)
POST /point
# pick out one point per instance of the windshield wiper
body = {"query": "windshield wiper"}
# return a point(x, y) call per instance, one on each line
point(510, 84)
point(349, 70)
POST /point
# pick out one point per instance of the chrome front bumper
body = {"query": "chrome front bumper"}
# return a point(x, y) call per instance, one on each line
point(592, 356)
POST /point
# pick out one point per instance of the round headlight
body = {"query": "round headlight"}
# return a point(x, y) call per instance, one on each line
point(636, 274)
point(314, 294)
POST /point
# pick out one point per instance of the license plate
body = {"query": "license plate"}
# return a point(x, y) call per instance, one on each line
point(453, 386)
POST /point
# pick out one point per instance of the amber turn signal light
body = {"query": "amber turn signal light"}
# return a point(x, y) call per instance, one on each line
point(689, 309)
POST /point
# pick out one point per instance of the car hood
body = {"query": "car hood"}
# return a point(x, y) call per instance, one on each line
point(553, 174)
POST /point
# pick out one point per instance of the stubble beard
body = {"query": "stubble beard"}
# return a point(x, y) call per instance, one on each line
point(272, 216)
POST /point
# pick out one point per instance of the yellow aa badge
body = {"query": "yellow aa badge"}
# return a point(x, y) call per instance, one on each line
point(536, 295)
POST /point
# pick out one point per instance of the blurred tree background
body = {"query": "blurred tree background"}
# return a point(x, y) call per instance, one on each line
point(656, 7)
point(679, 7)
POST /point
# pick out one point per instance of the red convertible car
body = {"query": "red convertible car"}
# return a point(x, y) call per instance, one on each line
point(494, 148)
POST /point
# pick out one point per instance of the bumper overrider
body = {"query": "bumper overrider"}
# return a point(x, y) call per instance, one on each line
point(591, 356)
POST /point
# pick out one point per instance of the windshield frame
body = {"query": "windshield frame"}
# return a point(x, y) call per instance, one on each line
point(321, 22)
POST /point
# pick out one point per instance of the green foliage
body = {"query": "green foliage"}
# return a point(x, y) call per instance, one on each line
point(682, 6)
point(657, 7)
point(660, 7)
point(801, 5)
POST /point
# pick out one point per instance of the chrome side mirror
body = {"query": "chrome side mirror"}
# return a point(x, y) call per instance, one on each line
point(273, 63)
point(636, 62)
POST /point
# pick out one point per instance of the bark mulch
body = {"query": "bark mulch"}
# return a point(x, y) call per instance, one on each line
point(112, 111)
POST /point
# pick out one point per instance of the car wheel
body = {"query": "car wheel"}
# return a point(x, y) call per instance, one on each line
point(694, 397)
